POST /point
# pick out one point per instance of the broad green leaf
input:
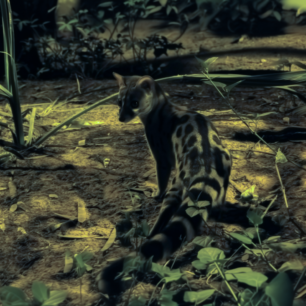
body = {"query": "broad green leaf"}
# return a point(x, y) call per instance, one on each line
point(241, 238)
point(208, 255)
point(40, 291)
point(203, 203)
point(174, 275)
point(254, 279)
point(56, 297)
point(159, 269)
point(79, 260)
point(198, 297)
point(255, 216)
point(199, 265)
point(280, 157)
point(13, 295)
point(86, 256)
point(203, 241)
point(166, 298)
point(280, 290)
point(192, 212)
point(167, 274)
point(163, 2)
point(291, 265)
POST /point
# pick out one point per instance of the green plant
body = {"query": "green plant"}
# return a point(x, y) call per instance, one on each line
point(78, 263)
point(12, 296)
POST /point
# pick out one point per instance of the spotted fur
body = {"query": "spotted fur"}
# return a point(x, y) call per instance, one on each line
point(180, 139)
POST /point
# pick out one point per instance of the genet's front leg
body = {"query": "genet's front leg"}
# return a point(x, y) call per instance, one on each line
point(163, 170)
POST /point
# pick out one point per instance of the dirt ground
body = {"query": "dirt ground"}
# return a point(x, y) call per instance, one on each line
point(95, 167)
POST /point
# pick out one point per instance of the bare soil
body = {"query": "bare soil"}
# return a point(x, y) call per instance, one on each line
point(75, 181)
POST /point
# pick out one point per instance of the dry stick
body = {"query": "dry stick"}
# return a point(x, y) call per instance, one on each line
point(253, 132)
point(286, 202)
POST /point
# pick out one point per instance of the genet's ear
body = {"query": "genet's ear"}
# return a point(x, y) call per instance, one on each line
point(120, 80)
point(146, 82)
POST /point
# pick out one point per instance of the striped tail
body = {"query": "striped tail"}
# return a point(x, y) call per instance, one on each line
point(174, 226)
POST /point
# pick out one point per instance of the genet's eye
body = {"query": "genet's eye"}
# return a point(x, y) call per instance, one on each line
point(134, 104)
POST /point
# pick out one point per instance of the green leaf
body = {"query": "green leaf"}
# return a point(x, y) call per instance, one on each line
point(40, 291)
point(245, 296)
point(198, 297)
point(241, 238)
point(145, 227)
point(173, 276)
point(280, 157)
point(108, 21)
point(231, 86)
point(239, 270)
point(159, 269)
point(13, 295)
point(105, 4)
point(203, 203)
point(199, 265)
point(110, 241)
point(205, 64)
point(88, 267)
point(291, 265)
point(130, 264)
point(250, 232)
point(211, 270)
point(265, 114)
point(248, 194)
point(254, 279)
point(191, 211)
point(280, 290)
point(217, 84)
point(288, 246)
point(254, 216)
point(56, 297)
point(204, 242)
point(258, 252)
point(272, 239)
point(167, 274)
point(207, 255)
point(138, 301)
point(86, 256)
point(166, 298)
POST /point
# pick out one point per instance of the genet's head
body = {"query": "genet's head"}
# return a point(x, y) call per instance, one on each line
point(137, 96)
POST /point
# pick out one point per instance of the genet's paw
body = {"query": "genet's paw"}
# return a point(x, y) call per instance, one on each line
point(158, 196)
